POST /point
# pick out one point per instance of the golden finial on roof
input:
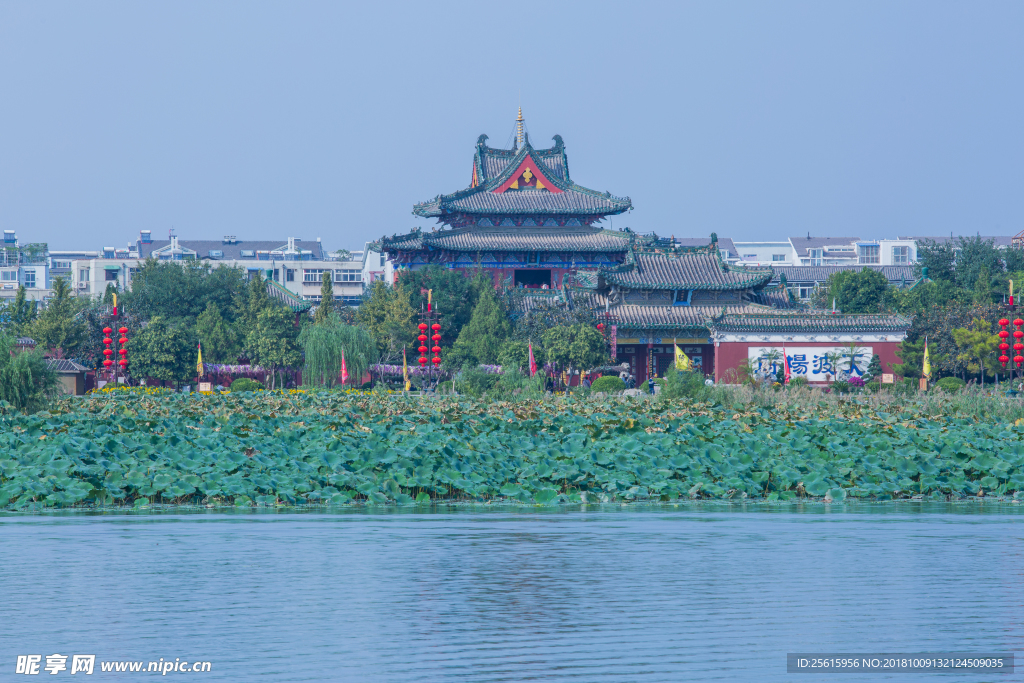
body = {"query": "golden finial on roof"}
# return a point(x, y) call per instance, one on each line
point(519, 128)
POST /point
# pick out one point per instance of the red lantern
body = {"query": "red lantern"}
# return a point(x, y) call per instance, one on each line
point(1018, 322)
point(108, 352)
point(437, 350)
point(423, 326)
point(108, 341)
point(124, 352)
point(1004, 359)
point(1004, 322)
point(1003, 334)
point(123, 331)
point(422, 337)
point(1018, 359)
point(436, 337)
point(1004, 346)
point(122, 341)
point(107, 331)
point(1018, 334)
point(600, 326)
point(123, 363)
point(437, 361)
point(423, 349)
point(1018, 347)
point(435, 327)
point(423, 361)
point(107, 363)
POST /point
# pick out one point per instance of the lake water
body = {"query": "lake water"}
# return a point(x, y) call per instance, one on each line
point(603, 594)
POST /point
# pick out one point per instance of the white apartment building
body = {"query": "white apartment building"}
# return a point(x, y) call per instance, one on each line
point(376, 266)
point(24, 265)
point(296, 265)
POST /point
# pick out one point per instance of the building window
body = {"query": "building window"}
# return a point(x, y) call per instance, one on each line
point(724, 253)
point(111, 275)
point(289, 275)
point(778, 257)
point(868, 253)
point(8, 276)
point(900, 255)
point(62, 265)
point(805, 292)
point(30, 279)
point(349, 300)
point(316, 298)
point(750, 257)
point(311, 276)
point(348, 275)
point(814, 257)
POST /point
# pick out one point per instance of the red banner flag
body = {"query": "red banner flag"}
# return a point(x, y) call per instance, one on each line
point(533, 363)
point(344, 370)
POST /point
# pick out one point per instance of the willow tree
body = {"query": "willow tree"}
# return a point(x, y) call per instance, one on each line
point(324, 344)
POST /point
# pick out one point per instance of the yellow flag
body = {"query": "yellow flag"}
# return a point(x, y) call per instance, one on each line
point(405, 371)
point(926, 370)
point(682, 360)
point(199, 361)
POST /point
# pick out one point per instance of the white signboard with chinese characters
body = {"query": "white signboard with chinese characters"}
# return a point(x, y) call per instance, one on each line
point(811, 362)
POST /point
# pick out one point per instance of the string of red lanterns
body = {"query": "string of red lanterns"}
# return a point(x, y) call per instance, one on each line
point(1018, 344)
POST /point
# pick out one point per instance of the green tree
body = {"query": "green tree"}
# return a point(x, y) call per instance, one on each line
point(388, 316)
point(165, 350)
point(454, 295)
point(272, 342)
point(874, 368)
point(255, 301)
point(220, 340)
point(483, 339)
point(972, 255)
point(27, 382)
point(60, 327)
point(182, 289)
point(23, 312)
point(323, 344)
point(856, 292)
point(575, 347)
point(978, 344)
point(938, 258)
point(326, 305)
point(983, 285)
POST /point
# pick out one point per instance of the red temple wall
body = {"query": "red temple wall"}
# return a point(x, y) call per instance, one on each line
point(730, 355)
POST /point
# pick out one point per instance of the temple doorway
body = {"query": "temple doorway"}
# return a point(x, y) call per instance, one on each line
point(532, 279)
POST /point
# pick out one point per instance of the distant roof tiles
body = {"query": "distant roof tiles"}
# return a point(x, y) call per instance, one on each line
point(694, 270)
point(493, 167)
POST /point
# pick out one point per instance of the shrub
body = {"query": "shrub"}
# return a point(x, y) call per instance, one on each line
point(950, 385)
point(683, 385)
point(246, 384)
point(609, 385)
point(798, 382)
point(472, 381)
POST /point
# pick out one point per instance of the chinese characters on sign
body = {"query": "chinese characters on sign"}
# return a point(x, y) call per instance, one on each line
point(814, 362)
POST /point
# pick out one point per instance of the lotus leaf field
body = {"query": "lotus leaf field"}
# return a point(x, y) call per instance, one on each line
point(274, 448)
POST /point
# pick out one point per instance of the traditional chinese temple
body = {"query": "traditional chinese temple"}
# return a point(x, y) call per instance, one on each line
point(526, 222)
point(522, 219)
point(721, 315)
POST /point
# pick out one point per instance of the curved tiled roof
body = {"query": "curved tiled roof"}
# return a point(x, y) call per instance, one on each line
point(824, 323)
point(514, 239)
point(649, 270)
point(822, 273)
point(494, 167)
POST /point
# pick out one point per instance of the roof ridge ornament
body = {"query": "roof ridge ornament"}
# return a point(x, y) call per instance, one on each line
point(519, 128)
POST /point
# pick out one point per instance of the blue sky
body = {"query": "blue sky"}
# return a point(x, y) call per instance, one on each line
point(755, 120)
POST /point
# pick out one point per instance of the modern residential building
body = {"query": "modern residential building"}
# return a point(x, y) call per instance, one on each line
point(294, 265)
point(25, 265)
